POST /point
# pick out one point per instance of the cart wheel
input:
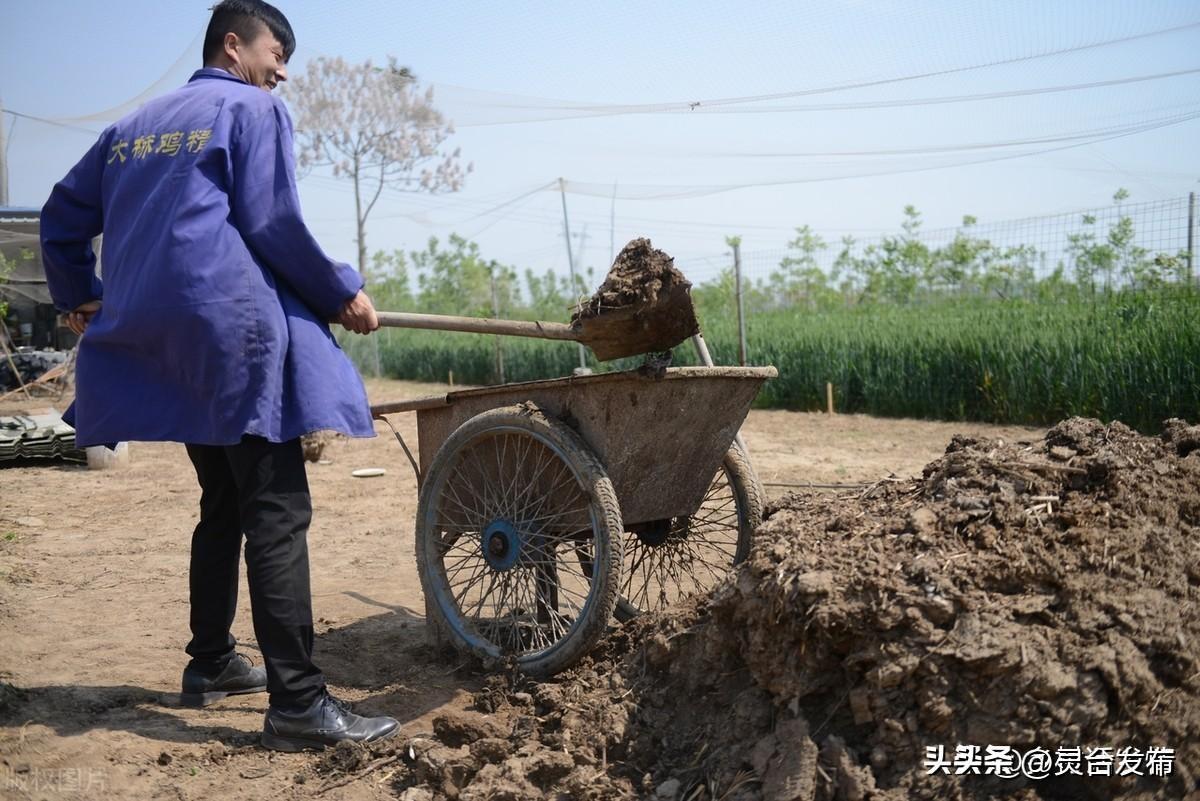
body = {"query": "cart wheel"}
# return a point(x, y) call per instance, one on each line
point(667, 560)
point(513, 510)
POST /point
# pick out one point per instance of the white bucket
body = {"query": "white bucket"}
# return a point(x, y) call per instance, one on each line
point(100, 457)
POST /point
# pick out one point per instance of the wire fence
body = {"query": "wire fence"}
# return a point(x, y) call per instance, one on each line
point(1161, 232)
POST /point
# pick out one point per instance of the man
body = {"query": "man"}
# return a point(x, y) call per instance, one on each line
point(210, 329)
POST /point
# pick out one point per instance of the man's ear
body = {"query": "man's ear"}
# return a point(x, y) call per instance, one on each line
point(232, 42)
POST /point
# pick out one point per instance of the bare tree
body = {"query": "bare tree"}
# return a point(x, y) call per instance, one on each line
point(374, 126)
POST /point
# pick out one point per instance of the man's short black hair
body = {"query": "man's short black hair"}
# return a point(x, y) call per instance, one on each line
point(243, 18)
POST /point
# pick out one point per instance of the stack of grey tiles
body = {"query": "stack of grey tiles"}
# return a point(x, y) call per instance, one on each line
point(38, 436)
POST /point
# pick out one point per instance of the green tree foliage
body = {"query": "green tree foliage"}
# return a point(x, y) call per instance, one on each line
point(5, 271)
point(1009, 273)
point(550, 294)
point(7, 265)
point(388, 281)
point(1114, 257)
point(455, 279)
point(800, 281)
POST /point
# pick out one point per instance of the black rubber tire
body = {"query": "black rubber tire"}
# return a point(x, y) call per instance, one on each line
point(526, 424)
point(748, 499)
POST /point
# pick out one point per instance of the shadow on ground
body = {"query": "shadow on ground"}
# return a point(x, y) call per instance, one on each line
point(384, 662)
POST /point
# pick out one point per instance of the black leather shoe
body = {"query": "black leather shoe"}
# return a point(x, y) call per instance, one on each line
point(238, 677)
point(327, 722)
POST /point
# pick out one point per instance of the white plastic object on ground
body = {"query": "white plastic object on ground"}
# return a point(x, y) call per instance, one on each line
point(368, 472)
point(101, 457)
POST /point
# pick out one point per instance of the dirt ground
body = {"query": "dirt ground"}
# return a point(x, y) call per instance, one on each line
point(93, 611)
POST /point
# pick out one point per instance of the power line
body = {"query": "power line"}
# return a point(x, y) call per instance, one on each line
point(597, 109)
point(883, 104)
point(651, 192)
point(665, 192)
point(1035, 140)
point(946, 99)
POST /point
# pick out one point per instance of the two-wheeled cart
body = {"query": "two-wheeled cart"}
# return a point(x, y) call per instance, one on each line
point(547, 507)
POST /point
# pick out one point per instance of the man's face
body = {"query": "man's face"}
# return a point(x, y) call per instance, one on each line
point(259, 62)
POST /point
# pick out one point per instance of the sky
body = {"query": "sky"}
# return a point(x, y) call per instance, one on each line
point(686, 122)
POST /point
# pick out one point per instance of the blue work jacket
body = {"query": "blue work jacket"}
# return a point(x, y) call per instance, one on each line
point(215, 295)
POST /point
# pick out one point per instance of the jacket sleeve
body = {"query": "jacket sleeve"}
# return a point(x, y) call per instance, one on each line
point(71, 218)
point(266, 209)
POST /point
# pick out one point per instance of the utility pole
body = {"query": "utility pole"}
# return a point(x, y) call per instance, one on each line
point(3, 157)
point(580, 237)
point(562, 191)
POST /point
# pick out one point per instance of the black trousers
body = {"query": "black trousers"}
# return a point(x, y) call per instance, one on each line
point(260, 489)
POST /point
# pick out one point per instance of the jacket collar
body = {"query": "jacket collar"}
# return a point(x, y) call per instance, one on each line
point(214, 72)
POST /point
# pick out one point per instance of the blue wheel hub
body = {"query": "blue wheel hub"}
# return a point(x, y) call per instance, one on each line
point(501, 543)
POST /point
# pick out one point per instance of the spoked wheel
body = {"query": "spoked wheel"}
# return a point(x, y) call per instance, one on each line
point(667, 560)
point(519, 540)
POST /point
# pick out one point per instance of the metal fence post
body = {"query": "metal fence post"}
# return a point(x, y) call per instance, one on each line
point(499, 353)
point(1191, 242)
point(737, 290)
